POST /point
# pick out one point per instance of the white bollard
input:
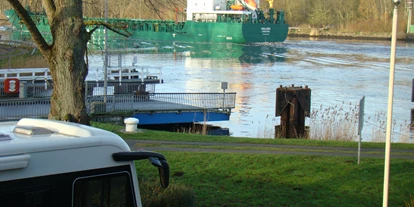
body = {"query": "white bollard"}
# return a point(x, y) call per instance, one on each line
point(131, 124)
point(23, 90)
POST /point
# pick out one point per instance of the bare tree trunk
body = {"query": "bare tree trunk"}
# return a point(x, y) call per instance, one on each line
point(65, 56)
point(67, 63)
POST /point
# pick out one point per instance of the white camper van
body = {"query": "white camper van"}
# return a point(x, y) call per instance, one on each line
point(45, 163)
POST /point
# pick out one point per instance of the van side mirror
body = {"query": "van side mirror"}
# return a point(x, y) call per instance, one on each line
point(163, 170)
point(156, 159)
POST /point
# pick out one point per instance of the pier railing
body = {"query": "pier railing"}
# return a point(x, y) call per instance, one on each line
point(201, 100)
point(31, 90)
point(24, 108)
point(161, 102)
point(12, 109)
point(37, 83)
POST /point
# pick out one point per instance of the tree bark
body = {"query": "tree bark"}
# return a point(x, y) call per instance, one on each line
point(67, 63)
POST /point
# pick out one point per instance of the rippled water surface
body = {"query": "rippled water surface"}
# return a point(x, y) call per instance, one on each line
point(339, 72)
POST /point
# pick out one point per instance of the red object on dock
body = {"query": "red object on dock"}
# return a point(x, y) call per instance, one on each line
point(11, 85)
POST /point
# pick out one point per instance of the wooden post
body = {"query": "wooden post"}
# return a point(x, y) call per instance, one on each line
point(412, 93)
point(412, 110)
point(292, 105)
point(412, 119)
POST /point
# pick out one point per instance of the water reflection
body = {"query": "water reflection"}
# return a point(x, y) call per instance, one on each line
point(245, 53)
point(206, 66)
point(337, 71)
point(263, 53)
point(232, 55)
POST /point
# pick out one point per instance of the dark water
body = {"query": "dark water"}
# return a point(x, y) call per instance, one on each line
point(339, 73)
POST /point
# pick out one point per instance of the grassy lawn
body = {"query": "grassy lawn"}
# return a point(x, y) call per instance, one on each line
point(237, 179)
point(225, 179)
point(168, 136)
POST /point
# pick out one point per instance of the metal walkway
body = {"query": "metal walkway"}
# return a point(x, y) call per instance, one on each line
point(12, 109)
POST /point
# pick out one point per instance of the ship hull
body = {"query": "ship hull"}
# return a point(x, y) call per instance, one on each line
point(167, 31)
point(218, 33)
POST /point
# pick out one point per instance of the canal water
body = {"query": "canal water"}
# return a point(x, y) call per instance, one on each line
point(338, 72)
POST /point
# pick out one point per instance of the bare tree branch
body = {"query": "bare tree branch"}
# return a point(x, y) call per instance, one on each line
point(151, 5)
point(31, 26)
point(50, 9)
point(113, 28)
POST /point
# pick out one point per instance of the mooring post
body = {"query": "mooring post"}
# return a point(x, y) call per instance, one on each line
point(292, 105)
point(23, 90)
point(412, 110)
point(412, 119)
point(412, 92)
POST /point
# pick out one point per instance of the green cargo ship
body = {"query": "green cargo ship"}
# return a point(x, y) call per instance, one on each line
point(215, 21)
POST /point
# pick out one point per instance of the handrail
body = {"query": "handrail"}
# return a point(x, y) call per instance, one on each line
point(115, 74)
point(27, 74)
point(12, 109)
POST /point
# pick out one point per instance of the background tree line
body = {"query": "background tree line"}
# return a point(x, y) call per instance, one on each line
point(139, 9)
point(339, 15)
point(344, 15)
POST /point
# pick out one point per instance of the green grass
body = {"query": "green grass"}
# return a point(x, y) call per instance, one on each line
point(152, 194)
point(275, 148)
point(237, 179)
point(225, 179)
point(169, 136)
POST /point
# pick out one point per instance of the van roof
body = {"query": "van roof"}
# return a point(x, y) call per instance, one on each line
point(36, 135)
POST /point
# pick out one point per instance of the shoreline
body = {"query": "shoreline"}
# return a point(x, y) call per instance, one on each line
point(343, 37)
point(350, 36)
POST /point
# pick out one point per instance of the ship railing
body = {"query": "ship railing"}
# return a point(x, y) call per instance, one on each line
point(27, 74)
point(29, 89)
point(96, 88)
point(13, 109)
point(38, 90)
point(44, 87)
point(37, 82)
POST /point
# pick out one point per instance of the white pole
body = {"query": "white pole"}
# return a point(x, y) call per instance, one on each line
point(359, 148)
point(390, 104)
point(410, 11)
point(360, 125)
point(224, 97)
point(106, 54)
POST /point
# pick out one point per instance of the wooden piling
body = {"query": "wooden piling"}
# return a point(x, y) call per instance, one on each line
point(412, 110)
point(412, 93)
point(292, 105)
point(412, 119)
